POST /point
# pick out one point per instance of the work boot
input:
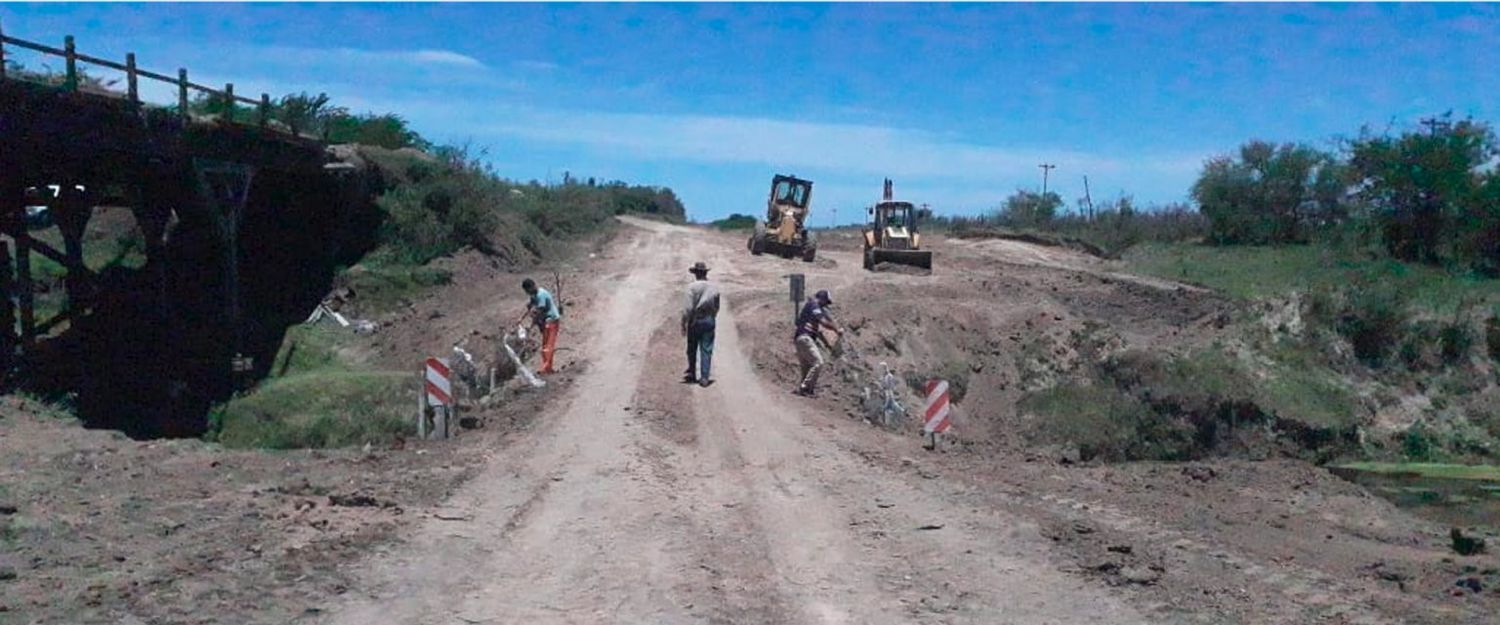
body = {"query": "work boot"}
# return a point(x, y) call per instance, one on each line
point(705, 382)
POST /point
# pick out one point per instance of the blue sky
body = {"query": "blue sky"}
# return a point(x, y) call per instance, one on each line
point(958, 104)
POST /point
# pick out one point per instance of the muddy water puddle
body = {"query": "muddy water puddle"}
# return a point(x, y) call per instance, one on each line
point(1468, 500)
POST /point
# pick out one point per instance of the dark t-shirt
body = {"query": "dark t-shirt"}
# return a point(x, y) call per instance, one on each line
point(811, 319)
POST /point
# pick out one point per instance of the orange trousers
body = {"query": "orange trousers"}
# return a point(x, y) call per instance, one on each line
point(549, 344)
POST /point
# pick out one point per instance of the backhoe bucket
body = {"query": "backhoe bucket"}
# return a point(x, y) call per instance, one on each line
point(914, 258)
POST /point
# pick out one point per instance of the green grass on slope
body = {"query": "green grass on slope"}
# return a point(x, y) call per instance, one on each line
point(1482, 472)
point(1249, 272)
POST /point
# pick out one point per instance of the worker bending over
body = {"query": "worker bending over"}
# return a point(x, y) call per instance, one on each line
point(545, 315)
point(810, 324)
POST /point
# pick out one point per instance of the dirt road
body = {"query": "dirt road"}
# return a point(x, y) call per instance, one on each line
point(646, 500)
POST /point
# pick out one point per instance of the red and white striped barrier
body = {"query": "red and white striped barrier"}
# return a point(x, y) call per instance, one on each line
point(439, 382)
point(935, 412)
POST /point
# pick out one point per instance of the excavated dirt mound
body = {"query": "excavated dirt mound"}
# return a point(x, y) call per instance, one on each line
point(1222, 540)
point(95, 527)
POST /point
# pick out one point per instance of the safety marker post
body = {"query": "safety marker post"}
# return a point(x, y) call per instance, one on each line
point(436, 400)
point(935, 412)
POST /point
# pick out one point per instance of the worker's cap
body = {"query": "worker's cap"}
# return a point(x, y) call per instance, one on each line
point(698, 267)
point(823, 298)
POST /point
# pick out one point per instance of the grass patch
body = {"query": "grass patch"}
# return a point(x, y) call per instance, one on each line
point(1257, 272)
point(327, 408)
point(309, 348)
point(381, 286)
point(1146, 405)
point(1102, 421)
point(1484, 472)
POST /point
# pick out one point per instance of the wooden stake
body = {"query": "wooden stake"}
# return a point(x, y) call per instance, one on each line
point(182, 95)
point(422, 403)
point(70, 56)
point(131, 79)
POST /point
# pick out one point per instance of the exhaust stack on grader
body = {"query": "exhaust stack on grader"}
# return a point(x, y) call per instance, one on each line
point(784, 232)
point(892, 237)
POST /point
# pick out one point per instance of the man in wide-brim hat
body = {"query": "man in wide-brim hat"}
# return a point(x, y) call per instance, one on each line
point(698, 321)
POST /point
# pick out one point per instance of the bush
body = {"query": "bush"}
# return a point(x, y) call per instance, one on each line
point(1418, 443)
point(1103, 422)
point(1025, 208)
point(735, 222)
point(1429, 194)
point(1455, 340)
point(1270, 193)
point(1492, 336)
point(1372, 317)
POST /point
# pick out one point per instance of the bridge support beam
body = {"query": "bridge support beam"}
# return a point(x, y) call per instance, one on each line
point(153, 214)
point(12, 214)
point(224, 189)
point(72, 213)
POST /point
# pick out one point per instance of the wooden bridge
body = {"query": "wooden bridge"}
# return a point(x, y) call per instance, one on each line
point(211, 196)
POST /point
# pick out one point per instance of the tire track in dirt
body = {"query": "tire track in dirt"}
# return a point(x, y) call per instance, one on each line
point(738, 509)
point(585, 539)
point(846, 541)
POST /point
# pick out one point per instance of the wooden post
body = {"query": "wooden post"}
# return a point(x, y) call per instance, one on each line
point(422, 402)
point(131, 79)
point(265, 109)
point(2, 54)
point(228, 114)
point(71, 56)
point(72, 213)
point(7, 312)
point(182, 96)
point(25, 295)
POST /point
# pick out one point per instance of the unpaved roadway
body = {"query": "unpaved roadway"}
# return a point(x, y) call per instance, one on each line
point(644, 500)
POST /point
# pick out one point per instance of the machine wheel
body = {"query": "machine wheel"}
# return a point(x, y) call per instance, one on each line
point(757, 239)
point(809, 254)
point(869, 259)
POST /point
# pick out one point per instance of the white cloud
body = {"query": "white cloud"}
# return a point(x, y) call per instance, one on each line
point(846, 148)
point(316, 56)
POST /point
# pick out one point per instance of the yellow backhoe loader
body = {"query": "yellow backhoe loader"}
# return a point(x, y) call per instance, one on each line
point(892, 237)
point(784, 232)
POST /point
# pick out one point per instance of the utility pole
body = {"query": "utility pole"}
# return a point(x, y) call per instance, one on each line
point(1088, 199)
point(1433, 124)
point(1046, 169)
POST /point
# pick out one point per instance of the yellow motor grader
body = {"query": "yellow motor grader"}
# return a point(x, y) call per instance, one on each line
point(892, 237)
point(784, 231)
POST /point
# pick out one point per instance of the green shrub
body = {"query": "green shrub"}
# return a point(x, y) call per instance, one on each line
point(735, 222)
point(1372, 318)
point(1492, 336)
point(1455, 340)
point(1418, 443)
point(1102, 421)
point(1270, 193)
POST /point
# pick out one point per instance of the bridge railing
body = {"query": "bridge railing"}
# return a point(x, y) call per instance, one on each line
point(133, 74)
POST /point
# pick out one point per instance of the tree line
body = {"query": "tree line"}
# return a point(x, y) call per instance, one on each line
point(1429, 195)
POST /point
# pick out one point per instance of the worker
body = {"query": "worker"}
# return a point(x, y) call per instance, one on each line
point(698, 321)
point(544, 313)
point(810, 324)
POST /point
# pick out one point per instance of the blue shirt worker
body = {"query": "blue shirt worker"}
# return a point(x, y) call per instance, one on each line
point(544, 313)
point(698, 321)
point(810, 324)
